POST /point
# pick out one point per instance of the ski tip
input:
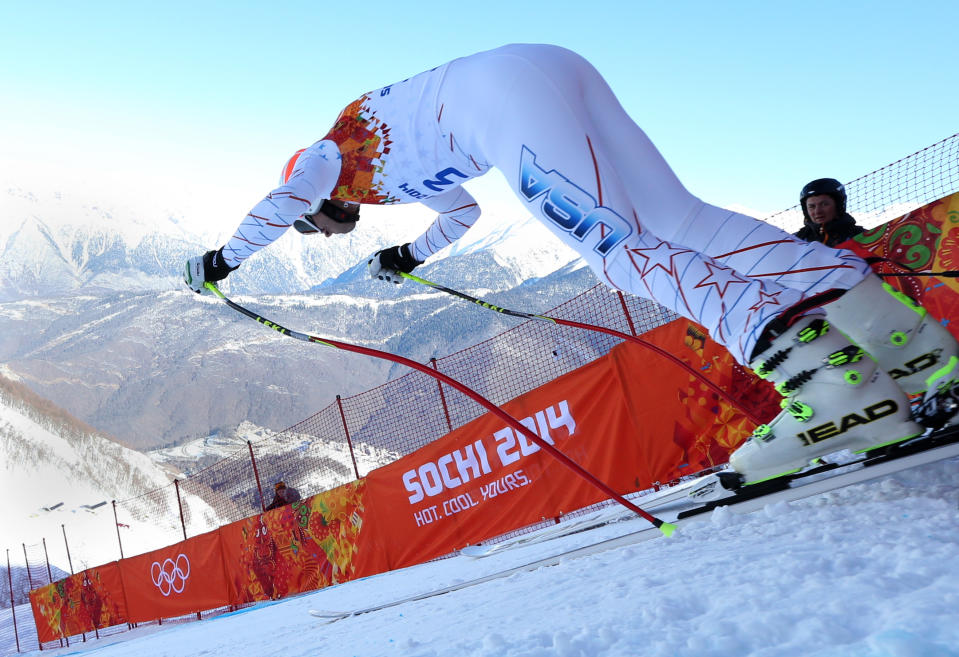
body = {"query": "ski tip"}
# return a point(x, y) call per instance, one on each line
point(325, 613)
point(475, 551)
point(667, 528)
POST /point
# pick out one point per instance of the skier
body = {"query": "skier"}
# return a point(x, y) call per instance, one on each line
point(548, 121)
point(823, 203)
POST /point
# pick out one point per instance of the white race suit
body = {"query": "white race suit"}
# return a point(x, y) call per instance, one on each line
point(548, 121)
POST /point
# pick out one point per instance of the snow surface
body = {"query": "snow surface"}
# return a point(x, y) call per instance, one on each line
point(869, 570)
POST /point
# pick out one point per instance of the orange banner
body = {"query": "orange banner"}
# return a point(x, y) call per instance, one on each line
point(180, 579)
point(486, 478)
point(80, 603)
point(625, 418)
point(684, 426)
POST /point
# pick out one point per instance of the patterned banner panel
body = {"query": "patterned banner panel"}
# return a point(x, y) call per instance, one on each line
point(923, 241)
point(84, 602)
point(301, 547)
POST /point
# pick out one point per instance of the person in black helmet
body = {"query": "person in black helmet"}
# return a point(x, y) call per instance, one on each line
point(825, 219)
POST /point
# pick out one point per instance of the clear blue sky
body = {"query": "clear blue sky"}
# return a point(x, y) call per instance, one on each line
point(199, 103)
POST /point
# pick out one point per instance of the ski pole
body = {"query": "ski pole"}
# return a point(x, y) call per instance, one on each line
point(874, 260)
point(951, 273)
point(665, 527)
point(590, 327)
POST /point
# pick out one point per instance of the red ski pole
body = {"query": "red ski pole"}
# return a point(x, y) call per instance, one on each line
point(665, 527)
point(593, 327)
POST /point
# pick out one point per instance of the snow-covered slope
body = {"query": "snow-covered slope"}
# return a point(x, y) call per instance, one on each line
point(55, 472)
point(866, 571)
point(153, 368)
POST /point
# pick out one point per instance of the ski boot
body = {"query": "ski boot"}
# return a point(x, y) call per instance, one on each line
point(915, 349)
point(835, 397)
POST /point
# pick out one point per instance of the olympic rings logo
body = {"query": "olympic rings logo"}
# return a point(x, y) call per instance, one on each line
point(171, 577)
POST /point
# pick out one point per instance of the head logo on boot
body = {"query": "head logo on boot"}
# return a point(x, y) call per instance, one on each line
point(871, 413)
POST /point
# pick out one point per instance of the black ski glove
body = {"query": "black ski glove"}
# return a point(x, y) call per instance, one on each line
point(215, 267)
point(387, 264)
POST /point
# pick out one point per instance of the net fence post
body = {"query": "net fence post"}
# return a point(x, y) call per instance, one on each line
point(66, 544)
point(26, 561)
point(439, 386)
point(13, 604)
point(256, 476)
point(349, 439)
point(46, 558)
point(179, 503)
point(116, 525)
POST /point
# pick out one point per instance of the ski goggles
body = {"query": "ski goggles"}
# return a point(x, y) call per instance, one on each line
point(305, 223)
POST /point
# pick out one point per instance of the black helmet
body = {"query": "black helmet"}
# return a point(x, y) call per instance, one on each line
point(829, 186)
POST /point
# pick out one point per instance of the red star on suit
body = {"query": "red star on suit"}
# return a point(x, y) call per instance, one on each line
point(660, 256)
point(766, 300)
point(721, 277)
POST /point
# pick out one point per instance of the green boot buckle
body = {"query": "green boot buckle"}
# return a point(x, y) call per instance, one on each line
point(815, 329)
point(799, 410)
point(761, 432)
point(844, 356)
point(905, 300)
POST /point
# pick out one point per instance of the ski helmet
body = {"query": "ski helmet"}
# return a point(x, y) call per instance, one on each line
point(828, 186)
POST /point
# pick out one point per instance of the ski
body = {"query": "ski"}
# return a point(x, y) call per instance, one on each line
point(725, 489)
point(663, 499)
point(332, 616)
point(564, 528)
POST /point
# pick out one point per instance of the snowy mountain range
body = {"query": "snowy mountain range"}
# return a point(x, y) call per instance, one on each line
point(94, 316)
point(56, 245)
